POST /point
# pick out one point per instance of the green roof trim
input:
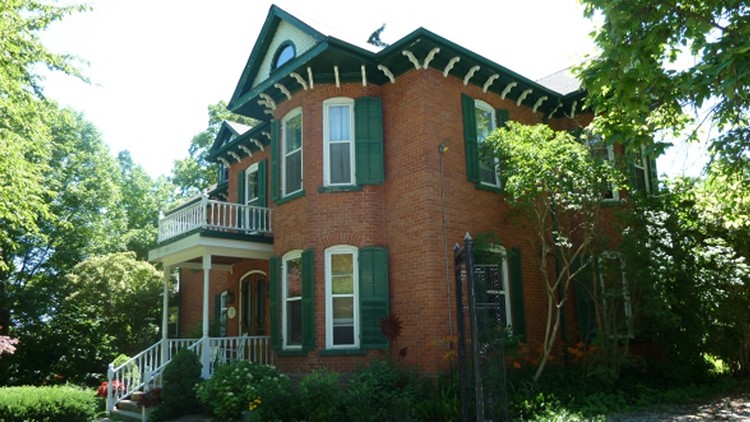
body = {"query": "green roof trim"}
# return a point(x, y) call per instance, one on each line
point(330, 51)
point(245, 140)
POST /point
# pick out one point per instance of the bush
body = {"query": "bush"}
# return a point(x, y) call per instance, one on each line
point(179, 379)
point(47, 404)
point(382, 392)
point(237, 385)
point(320, 396)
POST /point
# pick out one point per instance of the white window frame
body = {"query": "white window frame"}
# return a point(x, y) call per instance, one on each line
point(643, 167)
point(483, 106)
point(627, 306)
point(291, 255)
point(327, 104)
point(611, 158)
point(250, 170)
point(336, 250)
point(284, 155)
point(503, 254)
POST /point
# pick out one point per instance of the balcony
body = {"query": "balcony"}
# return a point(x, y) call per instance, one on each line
point(203, 214)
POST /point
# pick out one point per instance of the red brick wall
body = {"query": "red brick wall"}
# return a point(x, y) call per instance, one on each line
point(421, 111)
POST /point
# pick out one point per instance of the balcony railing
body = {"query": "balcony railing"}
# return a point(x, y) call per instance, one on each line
point(209, 214)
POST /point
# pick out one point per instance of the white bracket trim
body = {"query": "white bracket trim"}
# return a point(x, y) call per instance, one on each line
point(268, 99)
point(573, 109)
point(269, 112)
point(450, 65)
point(310, 78)
point(224, 161)
point(266, 133)
point(364, 75)
point(470, 74)
point(489, 82)
point(554, 110)
point(299, 79)
point(538, 103)
point(258, 143)
point(387, 72)
point(409, 55)
point(336, 75)
point(430, 56)
point(523, 96)
point(507, 89)
point(247, 150)
point(283, 90)
point(235, 155)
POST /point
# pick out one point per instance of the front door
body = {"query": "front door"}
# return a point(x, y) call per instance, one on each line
point(254, 304)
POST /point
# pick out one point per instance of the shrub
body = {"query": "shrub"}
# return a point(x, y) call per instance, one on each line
point(179, 379)
point(382, 392)
point(320, 396)
point(47, 404)
point(237, 384)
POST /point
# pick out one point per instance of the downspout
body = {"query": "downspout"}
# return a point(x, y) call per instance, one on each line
point(442, 149)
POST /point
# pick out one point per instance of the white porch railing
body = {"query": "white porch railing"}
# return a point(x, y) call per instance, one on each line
point(215, 215)
point(143, 371)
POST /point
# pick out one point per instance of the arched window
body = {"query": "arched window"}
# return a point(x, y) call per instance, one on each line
point(285, 53)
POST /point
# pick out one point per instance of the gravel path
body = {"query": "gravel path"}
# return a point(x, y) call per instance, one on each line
point(734, 407)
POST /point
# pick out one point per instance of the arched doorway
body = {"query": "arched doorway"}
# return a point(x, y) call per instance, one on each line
point(254, 306)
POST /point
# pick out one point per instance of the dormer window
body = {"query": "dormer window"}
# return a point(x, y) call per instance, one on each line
point(285, 53)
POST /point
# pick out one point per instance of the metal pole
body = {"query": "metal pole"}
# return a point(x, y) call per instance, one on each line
point(459, 261)
point(478, 391)
point(205, 358)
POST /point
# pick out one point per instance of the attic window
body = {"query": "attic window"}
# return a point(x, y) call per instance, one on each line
point(285, 53)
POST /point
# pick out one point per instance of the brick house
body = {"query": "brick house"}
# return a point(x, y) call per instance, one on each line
point(342, 205)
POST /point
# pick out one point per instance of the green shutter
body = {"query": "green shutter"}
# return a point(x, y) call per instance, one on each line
point(275, 298)
point(241, 187)
point(368, 132)
point(502, 117)
point(653, 174)
point(275, 160)
point(263, 184)
point(470, 138)
point(582, 289)
point(308, 299)
point(517, 307)
point(373, 296)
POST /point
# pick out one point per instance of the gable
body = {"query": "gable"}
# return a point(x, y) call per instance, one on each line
point(302, 41)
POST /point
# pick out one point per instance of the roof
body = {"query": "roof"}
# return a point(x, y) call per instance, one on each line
point(561, 81)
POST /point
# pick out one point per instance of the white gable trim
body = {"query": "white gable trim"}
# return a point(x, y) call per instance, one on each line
point(284, 32)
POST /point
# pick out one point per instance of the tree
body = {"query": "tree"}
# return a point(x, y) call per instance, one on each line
point(195, 173)
point(112, 305)
point(693, 278)
point(142, 200)
point(24, 134)
point(672, 57)
point(559, 184)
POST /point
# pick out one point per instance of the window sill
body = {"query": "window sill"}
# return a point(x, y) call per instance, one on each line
point(351, 188)
point(290, 197)
point(343, 352)
point(490, 188)
point(291, 352)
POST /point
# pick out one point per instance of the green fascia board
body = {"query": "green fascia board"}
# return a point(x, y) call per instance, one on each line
point(331, 50)
point(222, 187)
point(275, 16)
point(244, 139)
point(225, 132)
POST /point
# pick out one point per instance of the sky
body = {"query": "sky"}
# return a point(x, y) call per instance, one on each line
point(156, 65)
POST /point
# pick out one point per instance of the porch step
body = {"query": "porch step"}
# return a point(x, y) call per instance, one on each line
point(129, 409)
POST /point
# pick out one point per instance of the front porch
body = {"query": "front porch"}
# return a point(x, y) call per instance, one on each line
point(223, 248)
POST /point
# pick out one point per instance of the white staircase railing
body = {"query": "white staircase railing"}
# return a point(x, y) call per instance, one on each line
point(144, 370)
point(214, 215)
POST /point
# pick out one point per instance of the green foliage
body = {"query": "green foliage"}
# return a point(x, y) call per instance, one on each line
point(47, 404)
point(382, 391)
point(195, 173)
point(236, 385)
point(180, 378)
point(320, 396)
point(674, 57)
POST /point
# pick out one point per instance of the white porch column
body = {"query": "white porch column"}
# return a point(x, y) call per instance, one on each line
point(165, 317)
point(205, 358)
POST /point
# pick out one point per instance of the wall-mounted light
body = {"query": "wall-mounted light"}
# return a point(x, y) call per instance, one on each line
point(230, 296)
